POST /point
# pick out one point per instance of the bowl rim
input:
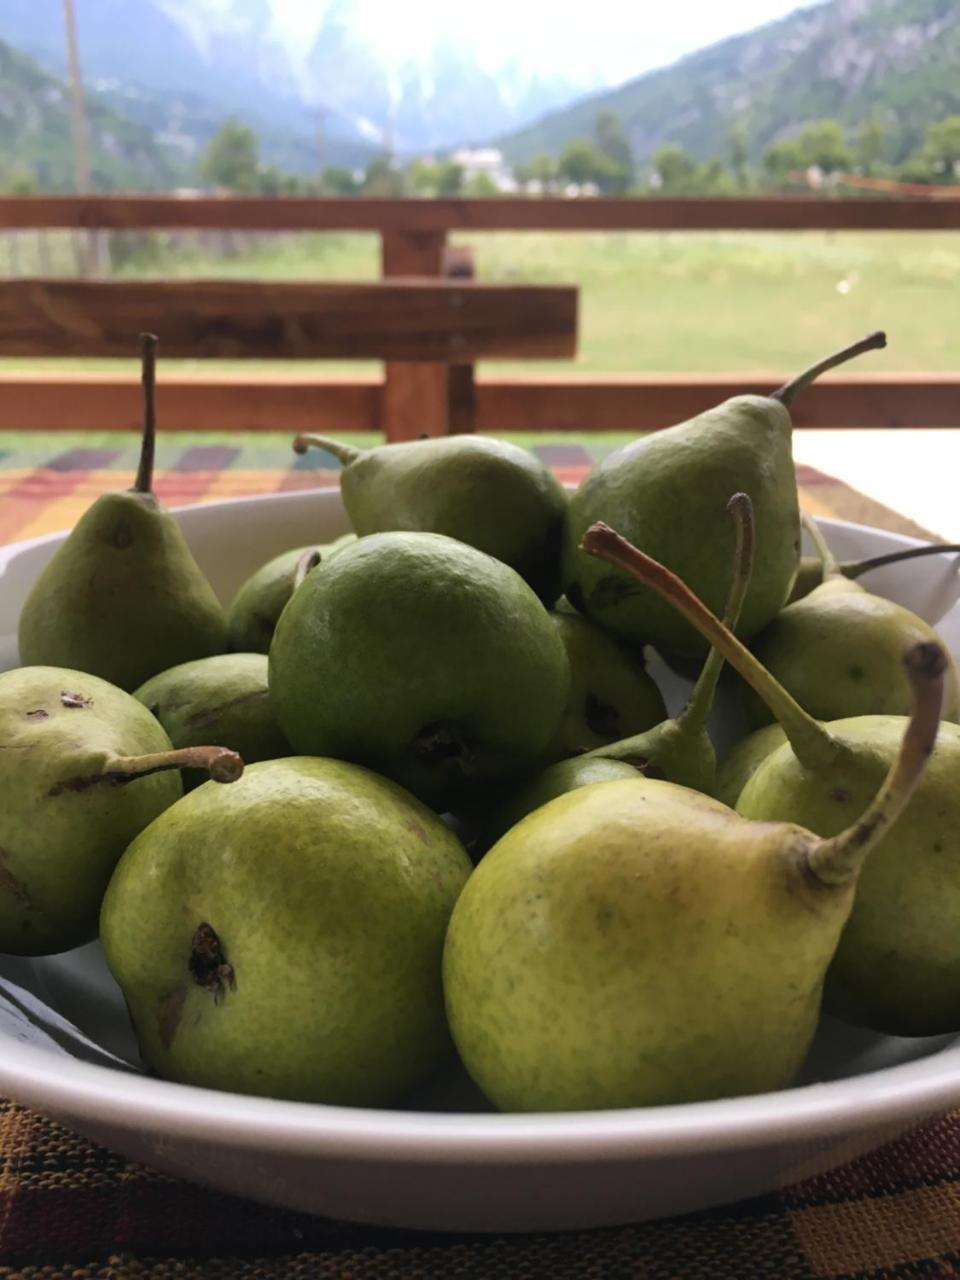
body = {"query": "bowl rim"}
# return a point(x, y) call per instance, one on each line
point(70, 1088)
point(906, 1092)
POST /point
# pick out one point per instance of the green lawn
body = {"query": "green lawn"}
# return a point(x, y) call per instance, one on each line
point(661, 302)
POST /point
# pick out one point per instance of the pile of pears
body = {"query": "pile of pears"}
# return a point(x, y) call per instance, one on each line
point(413, 796)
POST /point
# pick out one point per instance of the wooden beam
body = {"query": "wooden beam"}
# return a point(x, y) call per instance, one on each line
point(215, 402)
point(650, 401)
point(400, 319)
point(415, 394)
point(281, 401)
point(517, 213)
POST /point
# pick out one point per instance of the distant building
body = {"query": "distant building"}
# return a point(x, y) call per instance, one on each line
point(488, 161)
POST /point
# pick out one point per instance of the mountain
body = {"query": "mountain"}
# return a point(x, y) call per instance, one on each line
point(181, 66)
point(847, 60)
point(35, 137)
point(180, 69)
point(438, 93)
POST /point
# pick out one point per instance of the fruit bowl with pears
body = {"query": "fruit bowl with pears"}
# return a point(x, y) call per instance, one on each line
point(450, 851)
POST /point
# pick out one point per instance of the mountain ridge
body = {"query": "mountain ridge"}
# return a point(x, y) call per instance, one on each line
point(844, 59)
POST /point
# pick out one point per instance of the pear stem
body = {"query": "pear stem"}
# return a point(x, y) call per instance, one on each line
point(814, 746)
point(148, 445)
point(788, 393)
point(855, 568)
point(695, 714)
point(222, 764)
point(344, 453)
point(838, 860)
point(828, 561)
point(309, 560)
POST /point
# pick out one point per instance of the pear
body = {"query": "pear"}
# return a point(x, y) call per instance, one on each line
point(488, 493)
point(611, 694)
point(667, 491)
point(82, 771)
point(636, 943)
point(222, 699)
point(123, 597)
point(677, 749)
point(423, 659)
point(810, 573)
point(897, 967)
point(492, 816)
point(838, 650)
point(283, 936)
point(259, 601)
point(742, 762)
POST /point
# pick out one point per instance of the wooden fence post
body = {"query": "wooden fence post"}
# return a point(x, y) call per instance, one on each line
point(415, 393)
point(458, 264)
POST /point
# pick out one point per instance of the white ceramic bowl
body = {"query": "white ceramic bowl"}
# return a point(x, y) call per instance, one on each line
point(445, 1161)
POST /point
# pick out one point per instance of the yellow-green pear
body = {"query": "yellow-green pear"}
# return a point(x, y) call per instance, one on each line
point(667, 493)
point(123, 597)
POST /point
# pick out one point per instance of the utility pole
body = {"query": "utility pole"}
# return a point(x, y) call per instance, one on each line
point(90, 254)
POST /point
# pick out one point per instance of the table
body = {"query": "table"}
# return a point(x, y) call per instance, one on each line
point(70, 1209)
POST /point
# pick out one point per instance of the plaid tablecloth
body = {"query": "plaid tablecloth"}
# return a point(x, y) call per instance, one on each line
point(69, 1209)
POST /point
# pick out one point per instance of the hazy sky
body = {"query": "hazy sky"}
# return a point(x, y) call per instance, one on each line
point(615, 38)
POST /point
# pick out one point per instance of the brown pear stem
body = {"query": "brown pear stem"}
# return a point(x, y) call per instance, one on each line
point(789, 392)
point(839, 859)
point(814, 746)
point(309, 560)
point(148, 445)
point(855, 568)
point(828, 561)
point(344, 453)
point(697, 711)
point(222, 764)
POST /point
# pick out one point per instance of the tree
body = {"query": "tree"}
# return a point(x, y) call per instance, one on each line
point(480, 184)
point(335, 180)
point(231, 158)
point(783, 161)
point(542, 170)
point(737, 143)
point(675, 169)
point(381, 178)
point(871, 144)
point(822, 144)
point(611, 141)
point(443, 178)
point(941, 147)
point(582, 163)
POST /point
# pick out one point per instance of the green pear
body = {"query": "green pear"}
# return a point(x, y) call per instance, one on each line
point(283, 936)
point(680, 749)
point(82, 771)
point(123, 597)
point(677, 749)
point(635, 943)
point(488, 493)
point(838, 650)
point(810, 573)
point(667, 491)
point(742, 762)
point(423, 659)
point(611, 694)
point(259, 601)
point(222, 699)
point(897, 967)
point(494, 815)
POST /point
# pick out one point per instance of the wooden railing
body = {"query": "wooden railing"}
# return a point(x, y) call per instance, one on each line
point(439, 394)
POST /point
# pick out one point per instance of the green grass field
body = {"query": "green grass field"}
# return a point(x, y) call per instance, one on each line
point(661, 302)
